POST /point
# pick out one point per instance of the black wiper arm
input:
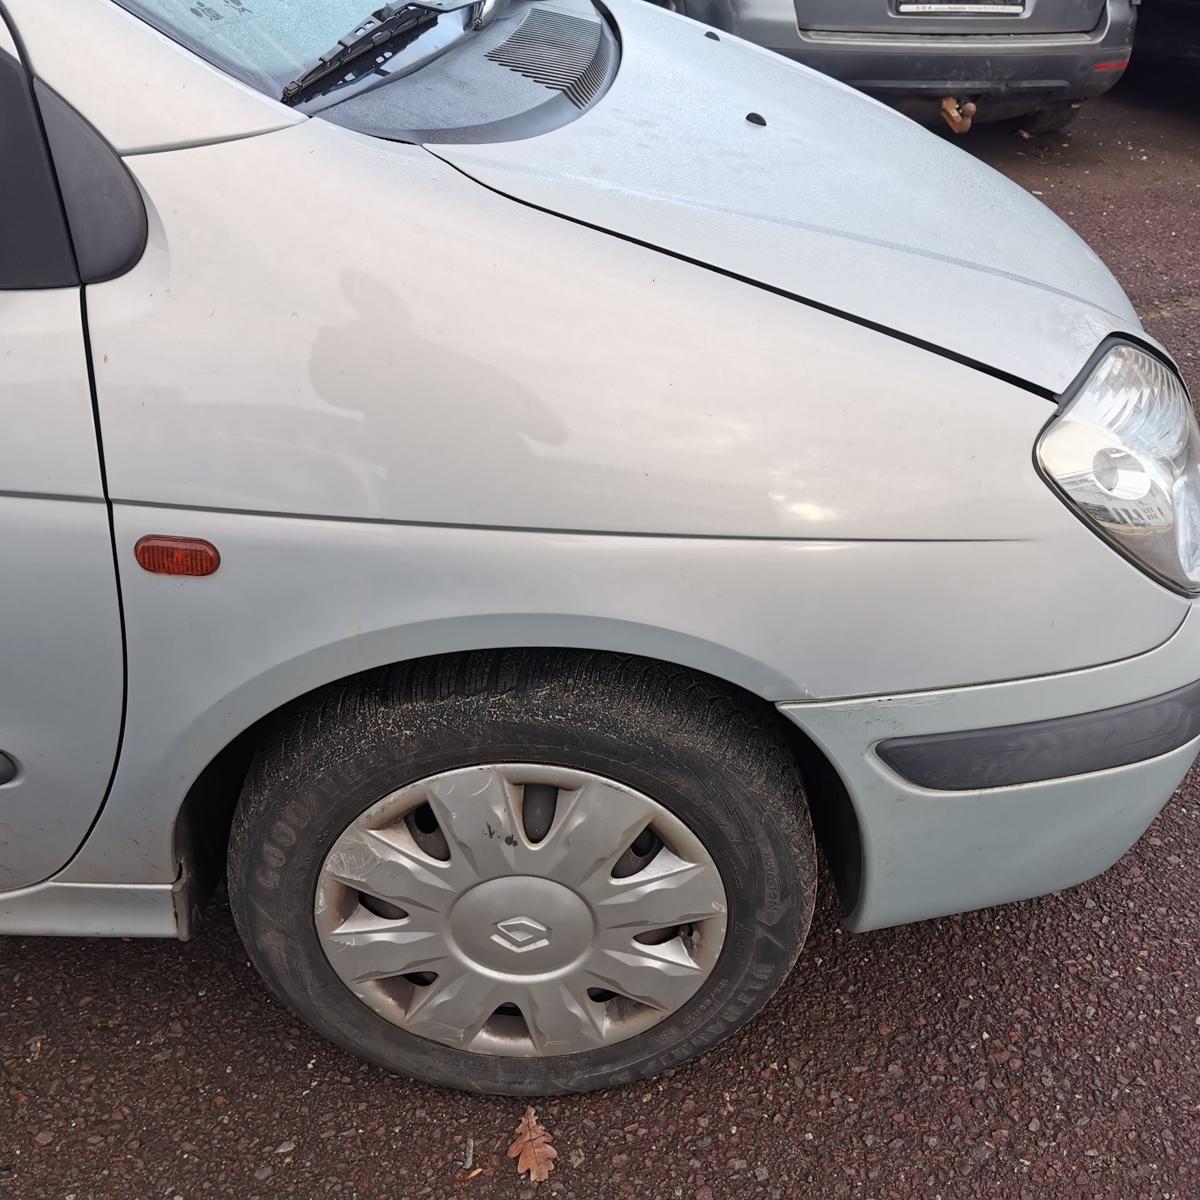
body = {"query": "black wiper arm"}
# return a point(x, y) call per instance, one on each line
point(384, 25)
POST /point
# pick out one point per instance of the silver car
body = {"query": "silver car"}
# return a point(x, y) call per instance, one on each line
point(491, 488)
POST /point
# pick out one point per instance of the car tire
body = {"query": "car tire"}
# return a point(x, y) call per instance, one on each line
point(719, 777)
point(1051, 119)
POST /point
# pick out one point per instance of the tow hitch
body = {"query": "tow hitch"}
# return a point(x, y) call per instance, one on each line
point(957, 116)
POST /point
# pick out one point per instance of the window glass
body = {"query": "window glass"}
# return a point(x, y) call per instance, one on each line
point(266, 43)
point(34, 249)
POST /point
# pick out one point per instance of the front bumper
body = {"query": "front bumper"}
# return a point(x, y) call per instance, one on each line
point(927, 851)
point(1006, 74)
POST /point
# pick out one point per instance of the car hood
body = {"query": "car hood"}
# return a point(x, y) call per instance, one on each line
point(835, 199)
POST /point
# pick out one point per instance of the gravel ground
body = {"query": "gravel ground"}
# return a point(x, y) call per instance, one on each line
point(1044, 1049)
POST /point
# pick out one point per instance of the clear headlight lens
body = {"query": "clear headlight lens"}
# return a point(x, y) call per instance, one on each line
point(1125, 453)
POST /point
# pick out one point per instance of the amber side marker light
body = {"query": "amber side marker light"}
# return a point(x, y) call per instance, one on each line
point(163, 555)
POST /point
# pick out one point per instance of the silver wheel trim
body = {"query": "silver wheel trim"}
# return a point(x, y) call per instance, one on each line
point(540, 930)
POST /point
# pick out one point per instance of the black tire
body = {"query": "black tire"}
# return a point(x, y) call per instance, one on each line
point(1051, 119)
point(699, 748)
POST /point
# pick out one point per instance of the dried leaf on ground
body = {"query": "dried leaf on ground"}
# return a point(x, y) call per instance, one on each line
point(532, 1149)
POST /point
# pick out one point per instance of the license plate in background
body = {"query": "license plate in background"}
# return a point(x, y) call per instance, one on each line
point(990, 8)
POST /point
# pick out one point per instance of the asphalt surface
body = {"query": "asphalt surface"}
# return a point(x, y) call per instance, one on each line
point(1045, 1049)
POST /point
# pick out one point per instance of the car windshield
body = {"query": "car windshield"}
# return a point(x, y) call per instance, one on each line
point(266, 43)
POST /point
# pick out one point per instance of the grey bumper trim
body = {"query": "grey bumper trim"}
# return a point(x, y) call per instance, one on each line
point(1054, 749)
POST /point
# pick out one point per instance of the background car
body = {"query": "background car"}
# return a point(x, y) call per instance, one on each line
point(1039, 60)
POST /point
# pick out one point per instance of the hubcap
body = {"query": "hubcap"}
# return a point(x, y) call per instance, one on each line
point(520, 910)
point(521, 945)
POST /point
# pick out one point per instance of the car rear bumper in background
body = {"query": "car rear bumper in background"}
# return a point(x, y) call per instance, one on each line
point(1007, 74)
point(976, 796)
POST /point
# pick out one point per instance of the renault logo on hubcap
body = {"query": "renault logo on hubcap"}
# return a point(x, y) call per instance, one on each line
point(520, 934)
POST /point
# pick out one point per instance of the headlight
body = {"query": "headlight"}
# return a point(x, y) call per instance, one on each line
point(1124, 452)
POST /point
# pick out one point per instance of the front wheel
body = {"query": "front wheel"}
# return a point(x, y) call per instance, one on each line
point(525, 872)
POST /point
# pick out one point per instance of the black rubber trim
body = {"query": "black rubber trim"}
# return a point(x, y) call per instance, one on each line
point(1041, 750)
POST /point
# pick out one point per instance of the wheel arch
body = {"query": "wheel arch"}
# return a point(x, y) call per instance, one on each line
point(204, 814)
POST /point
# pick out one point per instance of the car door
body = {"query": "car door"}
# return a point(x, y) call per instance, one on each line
point(61, 658)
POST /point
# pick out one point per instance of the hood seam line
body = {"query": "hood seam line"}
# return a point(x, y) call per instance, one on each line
point(819, 306)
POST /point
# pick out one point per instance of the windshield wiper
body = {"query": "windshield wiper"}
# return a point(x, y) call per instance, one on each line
point(384, 25)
